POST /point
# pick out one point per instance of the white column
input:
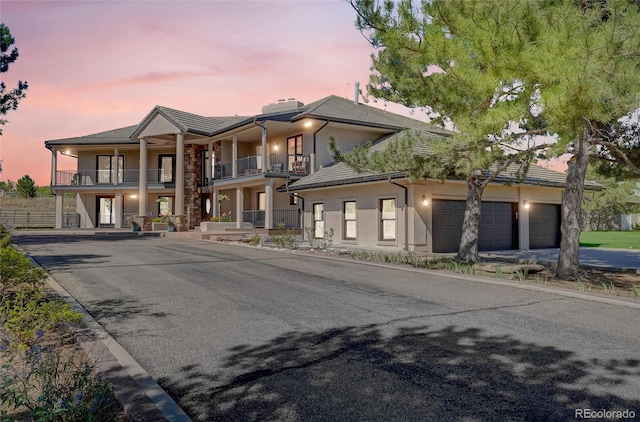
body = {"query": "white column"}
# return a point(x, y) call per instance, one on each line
point(264, 148)
point(117, 169)
point(59, 209)
point(239, 206)
point(142, 188)
point(234, 157)
point(215, 205)
point(179, 202)
point(117, 206)
point(313, 163)
point(268, 206)
point(54, 165)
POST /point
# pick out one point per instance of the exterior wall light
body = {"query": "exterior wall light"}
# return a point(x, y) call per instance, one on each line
point(307, 123)
point(425, 201)
point(526, 205)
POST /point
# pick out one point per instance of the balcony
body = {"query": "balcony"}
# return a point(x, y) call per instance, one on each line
point(277, 165)
point(109, 177)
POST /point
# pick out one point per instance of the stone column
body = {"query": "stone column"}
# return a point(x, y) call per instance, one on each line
point(179, 199)
point(142, 188)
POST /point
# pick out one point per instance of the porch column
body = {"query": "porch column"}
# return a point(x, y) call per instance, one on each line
point(239, 206)
point(54, 165)
point(268, 206)
point(117, 167)
point(234, 157)
point(59, 209)
point(215, 206)
point(117, 206)
point(312, 163)
point(209, 169)
point(179, 201)
point(142, 188)
point(264, 148)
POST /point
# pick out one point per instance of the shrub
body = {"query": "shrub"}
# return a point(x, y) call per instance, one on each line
point(286, 238)
point(51, 386)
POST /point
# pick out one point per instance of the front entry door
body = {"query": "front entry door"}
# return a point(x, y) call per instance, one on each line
point(106, 212)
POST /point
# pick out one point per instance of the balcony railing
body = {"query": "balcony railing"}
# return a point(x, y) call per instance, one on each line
point(290, 219)
point(278, 164)
point(108, 177)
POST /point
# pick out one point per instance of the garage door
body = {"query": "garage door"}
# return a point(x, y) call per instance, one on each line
point(544, 226)
point(496, 225)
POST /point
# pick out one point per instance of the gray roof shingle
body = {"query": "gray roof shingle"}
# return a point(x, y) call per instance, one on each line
point(114, 136)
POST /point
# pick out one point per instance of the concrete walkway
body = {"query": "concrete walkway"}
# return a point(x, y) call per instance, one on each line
point(613, 260)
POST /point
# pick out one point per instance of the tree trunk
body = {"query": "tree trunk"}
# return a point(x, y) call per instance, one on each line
point(468, 251)
point(569, 257)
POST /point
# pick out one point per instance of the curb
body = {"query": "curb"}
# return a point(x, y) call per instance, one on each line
point(631, 303)
point(139, 394)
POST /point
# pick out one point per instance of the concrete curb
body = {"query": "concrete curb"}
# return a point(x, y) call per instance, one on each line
point(629, 303)
point(140, 395)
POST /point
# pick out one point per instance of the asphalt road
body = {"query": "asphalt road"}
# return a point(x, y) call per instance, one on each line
point(237, 333)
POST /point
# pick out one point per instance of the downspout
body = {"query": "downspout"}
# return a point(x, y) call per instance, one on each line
point(295, 195)
point(313, 164)
point(406, 213)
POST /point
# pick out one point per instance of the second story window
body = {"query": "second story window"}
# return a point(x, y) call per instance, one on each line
point(106, 168)
point(167, 166)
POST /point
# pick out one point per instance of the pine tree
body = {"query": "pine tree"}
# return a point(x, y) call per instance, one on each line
point(8, 99)
point(26, 187)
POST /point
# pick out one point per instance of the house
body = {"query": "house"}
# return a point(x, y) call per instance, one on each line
point(274, 169)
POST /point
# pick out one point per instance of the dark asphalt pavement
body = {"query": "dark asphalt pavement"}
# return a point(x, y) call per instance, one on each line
point(238, 333)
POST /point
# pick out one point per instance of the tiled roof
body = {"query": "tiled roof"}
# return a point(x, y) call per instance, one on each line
point(115, 136)
point(194, 123)
point(338, 173)
point(340, 109)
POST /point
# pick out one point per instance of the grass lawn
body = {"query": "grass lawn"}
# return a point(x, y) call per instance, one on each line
point(622, 240)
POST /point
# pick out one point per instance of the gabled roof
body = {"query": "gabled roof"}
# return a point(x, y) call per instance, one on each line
point(340, 109)
point(338, 173)
point(109, 137)
point(189, 122)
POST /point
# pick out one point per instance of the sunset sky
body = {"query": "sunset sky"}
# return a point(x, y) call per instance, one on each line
point(99, 65)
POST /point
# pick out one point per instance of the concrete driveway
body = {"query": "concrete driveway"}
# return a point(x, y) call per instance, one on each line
point(241, 334)
point(627, 260)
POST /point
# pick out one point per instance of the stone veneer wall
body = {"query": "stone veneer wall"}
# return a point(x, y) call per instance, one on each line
point(192, 177)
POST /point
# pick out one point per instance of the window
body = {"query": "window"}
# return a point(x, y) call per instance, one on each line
point(208, 168)
point(318, 221)
point(349, 212)
point(165, 205)
point(167, 165)
point(387, 219)
point(294, 145)
point(106, 166)
point(294, 151)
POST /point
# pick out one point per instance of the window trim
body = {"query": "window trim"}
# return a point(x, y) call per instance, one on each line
point(381, 220)
point(344, 220)
point(322, 219)
point(111, 170)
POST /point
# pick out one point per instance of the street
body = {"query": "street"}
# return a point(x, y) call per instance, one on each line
point(240, 333)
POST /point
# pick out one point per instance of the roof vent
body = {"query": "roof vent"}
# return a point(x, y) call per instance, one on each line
point(282, 105)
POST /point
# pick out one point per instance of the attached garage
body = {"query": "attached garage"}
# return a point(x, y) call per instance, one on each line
point(497, 225)
point(544, 226)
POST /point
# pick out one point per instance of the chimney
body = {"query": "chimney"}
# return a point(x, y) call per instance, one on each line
point(357, 93)
point(282, 105)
